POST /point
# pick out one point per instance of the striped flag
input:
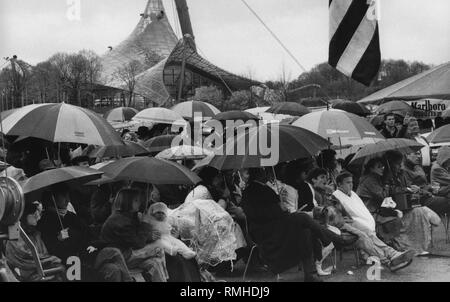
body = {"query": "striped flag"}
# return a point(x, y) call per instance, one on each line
point(354, 39)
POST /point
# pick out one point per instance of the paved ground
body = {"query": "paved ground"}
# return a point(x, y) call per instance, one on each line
point(433, 268)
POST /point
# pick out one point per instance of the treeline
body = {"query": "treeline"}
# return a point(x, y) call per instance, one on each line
point(63, 77)
point(335, 85)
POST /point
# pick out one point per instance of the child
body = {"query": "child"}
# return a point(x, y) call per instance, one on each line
point(157, 218)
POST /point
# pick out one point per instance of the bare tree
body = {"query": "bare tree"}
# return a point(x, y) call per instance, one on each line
point(128, 74)
point(92, 72)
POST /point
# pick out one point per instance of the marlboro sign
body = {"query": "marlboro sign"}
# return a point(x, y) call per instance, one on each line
point(429, 108)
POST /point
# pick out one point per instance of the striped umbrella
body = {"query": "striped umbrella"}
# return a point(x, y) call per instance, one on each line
point(337, 124)
point(289, 108)
point(159, 116)
point(187, 110)
point(60, 123)
point(121, 114)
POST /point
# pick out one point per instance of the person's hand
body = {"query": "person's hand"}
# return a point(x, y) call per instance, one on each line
point(348, 219)
point(237, 212)
point(140, 216)
point(175, 233)
point(415, 189)
point(156, 235)
point(91, 249)
point(399, 214)
point(63, 235)
point(222, 203)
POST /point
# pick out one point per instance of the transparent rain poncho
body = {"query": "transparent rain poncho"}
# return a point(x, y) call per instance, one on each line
point(207, 229)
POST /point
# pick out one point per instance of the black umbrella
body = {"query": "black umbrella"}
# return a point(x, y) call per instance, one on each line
point(235, 115)
point(159, 143)
point(352, 107)
point(245, 151)
point(289, 108)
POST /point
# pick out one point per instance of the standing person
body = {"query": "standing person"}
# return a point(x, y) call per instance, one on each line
point(390, 130)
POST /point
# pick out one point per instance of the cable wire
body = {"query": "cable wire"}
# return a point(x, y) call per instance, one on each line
point(274, 36)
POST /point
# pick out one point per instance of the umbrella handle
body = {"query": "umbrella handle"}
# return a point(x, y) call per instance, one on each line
point(56, 208)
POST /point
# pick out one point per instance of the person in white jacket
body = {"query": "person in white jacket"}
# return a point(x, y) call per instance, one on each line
point(363, 222)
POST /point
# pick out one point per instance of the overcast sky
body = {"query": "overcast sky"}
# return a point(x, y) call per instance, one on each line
point(226, 32)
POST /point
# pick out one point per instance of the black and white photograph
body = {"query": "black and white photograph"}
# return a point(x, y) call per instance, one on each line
point(240, 143)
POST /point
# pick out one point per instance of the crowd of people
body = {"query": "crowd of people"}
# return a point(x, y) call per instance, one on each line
point(293, 214)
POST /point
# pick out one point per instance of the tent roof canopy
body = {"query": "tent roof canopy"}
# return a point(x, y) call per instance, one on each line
point(433, 83)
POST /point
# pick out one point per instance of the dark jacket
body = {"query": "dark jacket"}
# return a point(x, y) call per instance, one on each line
point(125, 232)
point(50, 227)
point(283, 242)
point(397, 133)
point(371, 191)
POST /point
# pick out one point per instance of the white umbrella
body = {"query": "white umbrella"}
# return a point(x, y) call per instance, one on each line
point(159, 116)
point(184, 152)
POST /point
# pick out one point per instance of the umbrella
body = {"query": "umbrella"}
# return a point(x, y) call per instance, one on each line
point(126, 150)
point(441, 135)
point(187, 110)
point(352, 107)
point(287, 143)
point(121, 114)
point(70, 175)
point(60, 123)
point(159, 116)
point(150, 170)
point(396, 107)
point(235, 116)
point(159, 143)
point(446, 113)
point(289, 108)
point(433, 83)
point(184, 152)
point(257, 110)
point(336, 124)
point(372, 150)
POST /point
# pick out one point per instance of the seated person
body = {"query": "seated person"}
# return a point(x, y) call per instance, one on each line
point(440, 172)
point(318, 183)
point(372, 192)
point(362, 224)
point(125, 231)
point(284, 239)
point(415, 174)
point(19, 255)
point(63, 232)
point(287, 194)
point(157, 217)
point(416, 221)
point(296, 176)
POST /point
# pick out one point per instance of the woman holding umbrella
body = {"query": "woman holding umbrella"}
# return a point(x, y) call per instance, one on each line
point(63, 232)
point(20, 256)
